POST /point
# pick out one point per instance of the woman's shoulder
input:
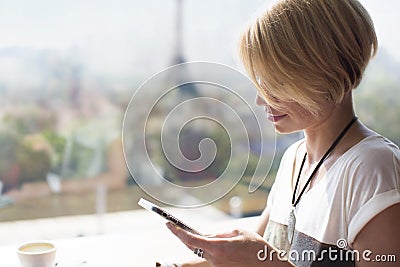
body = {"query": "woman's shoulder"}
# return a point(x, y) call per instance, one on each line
point(372, 150)
point(374, 159)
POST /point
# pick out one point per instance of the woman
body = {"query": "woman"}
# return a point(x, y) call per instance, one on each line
point(336, 194)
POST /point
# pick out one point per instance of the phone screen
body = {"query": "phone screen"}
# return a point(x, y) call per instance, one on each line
point(166, 215)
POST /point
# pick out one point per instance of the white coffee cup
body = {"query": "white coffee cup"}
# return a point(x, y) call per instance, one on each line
point(39, 253)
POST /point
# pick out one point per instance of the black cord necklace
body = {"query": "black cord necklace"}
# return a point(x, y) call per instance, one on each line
point(292, 217)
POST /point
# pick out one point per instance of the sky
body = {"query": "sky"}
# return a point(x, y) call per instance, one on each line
point(114, 36)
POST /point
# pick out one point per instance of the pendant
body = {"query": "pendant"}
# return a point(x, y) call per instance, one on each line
point(291, 225)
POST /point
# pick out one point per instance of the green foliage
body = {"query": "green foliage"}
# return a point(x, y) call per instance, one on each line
point(79, 161)
point(190, 141)
point(377, 104)
point(9, 143)
point(24, 145)
point(29, 119)
point(34, 164)
point(58, 143)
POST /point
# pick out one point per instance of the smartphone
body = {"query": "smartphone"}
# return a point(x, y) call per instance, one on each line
point(166, 215)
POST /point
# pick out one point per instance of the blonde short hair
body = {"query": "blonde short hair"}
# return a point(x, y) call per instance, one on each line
point(309, 51)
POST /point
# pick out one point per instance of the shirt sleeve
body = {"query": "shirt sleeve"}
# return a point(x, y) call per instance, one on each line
point(374, 187)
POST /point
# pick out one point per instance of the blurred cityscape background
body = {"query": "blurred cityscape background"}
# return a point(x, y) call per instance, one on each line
point(69, 68)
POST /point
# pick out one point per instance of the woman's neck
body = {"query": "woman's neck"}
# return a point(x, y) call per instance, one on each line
point(319, 137)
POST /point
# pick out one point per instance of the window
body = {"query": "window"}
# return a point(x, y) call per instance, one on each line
point(68, 75)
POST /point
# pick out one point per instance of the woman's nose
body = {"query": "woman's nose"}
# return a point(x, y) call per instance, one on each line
point(260, 101)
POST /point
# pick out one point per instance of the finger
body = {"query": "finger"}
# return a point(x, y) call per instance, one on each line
point(198, 244)
point(188, 246)
point(189, 239)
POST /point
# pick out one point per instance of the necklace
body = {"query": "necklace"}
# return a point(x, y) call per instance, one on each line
point(292, 217)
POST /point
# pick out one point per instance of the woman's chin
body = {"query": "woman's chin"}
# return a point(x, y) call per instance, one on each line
point(281, 129)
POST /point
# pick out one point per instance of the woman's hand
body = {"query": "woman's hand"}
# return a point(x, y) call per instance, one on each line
point(233, 249)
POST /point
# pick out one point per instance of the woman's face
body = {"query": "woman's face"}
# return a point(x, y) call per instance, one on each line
point(292, 117)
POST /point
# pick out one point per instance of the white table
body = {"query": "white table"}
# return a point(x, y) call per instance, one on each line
point(135, 238)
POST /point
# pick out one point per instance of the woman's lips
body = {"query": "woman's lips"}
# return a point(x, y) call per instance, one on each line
point(275, 118)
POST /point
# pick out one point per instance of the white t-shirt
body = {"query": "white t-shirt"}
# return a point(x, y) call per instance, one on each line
point(363, 182)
